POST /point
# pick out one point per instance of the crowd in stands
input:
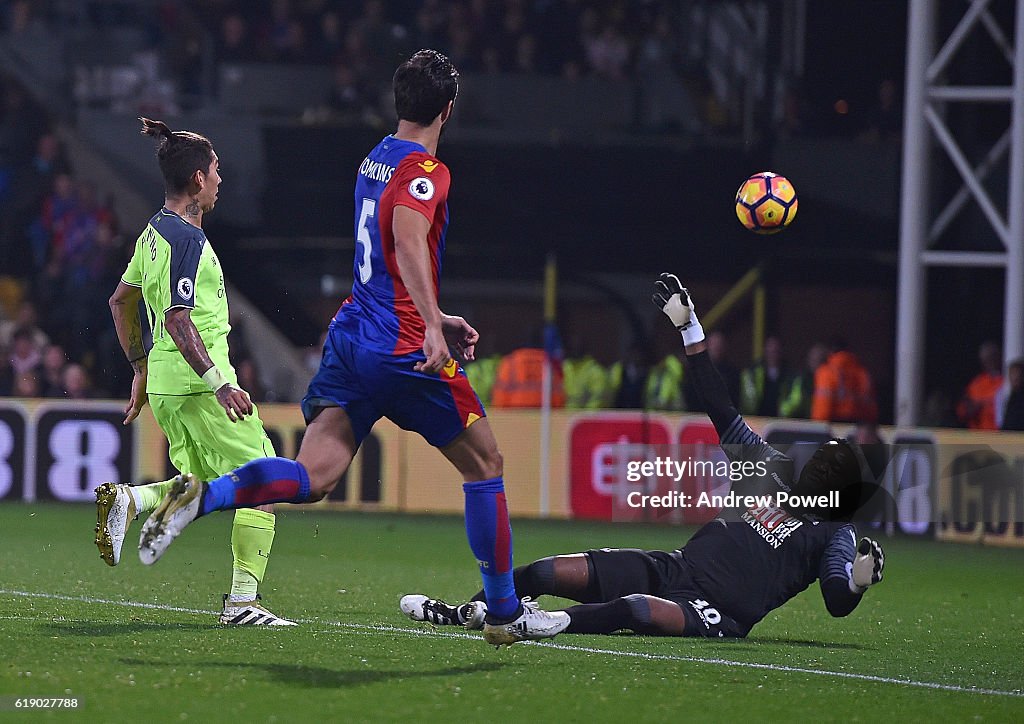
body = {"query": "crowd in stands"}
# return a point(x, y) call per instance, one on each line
point(610, 38)
point(62, 253)
point(832, 386)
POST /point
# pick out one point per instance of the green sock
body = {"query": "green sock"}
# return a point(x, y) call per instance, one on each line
point(147, 497)
point(252, 535)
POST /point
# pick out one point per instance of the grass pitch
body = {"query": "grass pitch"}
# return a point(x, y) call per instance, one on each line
point(940, 639)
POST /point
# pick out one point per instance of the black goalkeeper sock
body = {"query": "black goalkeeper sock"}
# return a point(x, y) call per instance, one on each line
point(600, 618)
point(533, 580)
point(632, 612)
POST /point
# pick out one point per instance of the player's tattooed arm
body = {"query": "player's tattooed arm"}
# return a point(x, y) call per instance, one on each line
point(178, 323)
point(124, 308)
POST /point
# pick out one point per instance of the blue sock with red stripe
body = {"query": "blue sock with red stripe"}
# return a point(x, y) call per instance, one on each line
point(490, 538)
point(262, 481)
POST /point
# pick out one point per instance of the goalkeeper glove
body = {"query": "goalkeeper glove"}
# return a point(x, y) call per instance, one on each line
point(867, 565)
point(674, 300)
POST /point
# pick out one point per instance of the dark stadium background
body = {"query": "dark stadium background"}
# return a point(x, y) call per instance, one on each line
point(616, 195)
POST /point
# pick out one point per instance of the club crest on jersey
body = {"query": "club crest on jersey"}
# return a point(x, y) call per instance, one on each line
point(185, 288)
point(428, 165)
point(422, 188)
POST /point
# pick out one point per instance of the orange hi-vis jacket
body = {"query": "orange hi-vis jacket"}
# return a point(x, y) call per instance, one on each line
point(982, 390)
point(519, 382)
point(843, 391)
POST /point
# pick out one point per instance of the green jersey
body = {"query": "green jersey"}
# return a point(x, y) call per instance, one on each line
point(175, 266)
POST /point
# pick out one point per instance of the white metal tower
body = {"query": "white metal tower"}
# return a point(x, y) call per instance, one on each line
point(926, 92)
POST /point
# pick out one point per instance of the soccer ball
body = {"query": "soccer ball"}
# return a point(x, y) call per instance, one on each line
point(766, 202)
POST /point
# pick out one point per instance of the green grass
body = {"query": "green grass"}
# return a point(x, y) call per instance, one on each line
point(945, 614)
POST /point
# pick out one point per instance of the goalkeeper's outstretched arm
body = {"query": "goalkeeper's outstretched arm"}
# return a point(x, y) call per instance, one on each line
point(734, 434)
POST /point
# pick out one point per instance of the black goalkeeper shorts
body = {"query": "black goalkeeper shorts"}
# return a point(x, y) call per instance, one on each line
point(624, 571)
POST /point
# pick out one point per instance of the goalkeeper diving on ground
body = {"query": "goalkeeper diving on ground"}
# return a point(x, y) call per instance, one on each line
point(733, 571)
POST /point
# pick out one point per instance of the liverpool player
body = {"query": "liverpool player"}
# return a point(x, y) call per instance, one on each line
point(735, 569)
point(387, 355)
point(210, 423)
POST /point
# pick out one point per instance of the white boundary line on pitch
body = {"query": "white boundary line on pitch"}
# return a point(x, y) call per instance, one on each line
point(385, 628)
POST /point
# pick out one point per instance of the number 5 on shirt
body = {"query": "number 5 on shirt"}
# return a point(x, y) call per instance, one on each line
point(363, 238)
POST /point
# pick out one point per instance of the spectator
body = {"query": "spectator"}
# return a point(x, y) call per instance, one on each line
point(348, 100)
point(327, 47)
point(482, 373)
point(586, 383)
point(25, 355)
point(977, 405)
point(1013, 411)
point(26, 384)
point(234, 45)
point(25, 318)
point(52, 371)
point(31, 186)
point(519, 381)
point(762, 383)
point(629, 377)
point(718, 346)
point(885, 119)
point(843, 391)
point(938, 410)
point(49, 230)
point(664, 387)
point(798, 394)
point(608, 53)
point(77, 385)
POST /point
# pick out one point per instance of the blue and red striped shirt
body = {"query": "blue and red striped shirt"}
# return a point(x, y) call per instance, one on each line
point(380, 314)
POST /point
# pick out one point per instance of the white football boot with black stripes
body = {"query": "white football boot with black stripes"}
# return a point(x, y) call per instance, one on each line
point(532, 624)
point(420, 608)
point(250, 613)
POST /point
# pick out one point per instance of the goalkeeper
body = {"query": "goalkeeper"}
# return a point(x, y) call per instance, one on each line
point(735, 569)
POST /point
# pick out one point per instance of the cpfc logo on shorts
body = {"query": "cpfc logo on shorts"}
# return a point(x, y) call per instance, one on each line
point(450, 368)
point(422, 188)
point(185, 288)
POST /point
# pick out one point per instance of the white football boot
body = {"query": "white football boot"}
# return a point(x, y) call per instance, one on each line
point(250, 613)
point(177, 509)
point(532, 623)
point(115, 509)
point(420, 608)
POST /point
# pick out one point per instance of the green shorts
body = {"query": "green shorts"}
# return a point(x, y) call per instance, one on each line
point(202, 440)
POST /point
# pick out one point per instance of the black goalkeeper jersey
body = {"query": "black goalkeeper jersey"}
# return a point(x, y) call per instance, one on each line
point(752, 560)
point(751, 566)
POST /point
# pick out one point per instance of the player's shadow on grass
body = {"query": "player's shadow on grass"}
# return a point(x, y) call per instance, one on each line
point(113, 628)
point(317, 677)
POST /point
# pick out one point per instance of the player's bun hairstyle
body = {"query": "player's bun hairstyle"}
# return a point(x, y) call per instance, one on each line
point(180, 154)
point(424, 85)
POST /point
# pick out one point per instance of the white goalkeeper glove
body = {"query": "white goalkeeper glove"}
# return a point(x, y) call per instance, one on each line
point(674, 300)
point(867, 565)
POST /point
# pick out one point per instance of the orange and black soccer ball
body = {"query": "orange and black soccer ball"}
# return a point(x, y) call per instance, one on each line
point(766, 202)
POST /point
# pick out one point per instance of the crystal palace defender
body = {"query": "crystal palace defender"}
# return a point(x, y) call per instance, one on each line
point(735, 569)
point(210, 423)
point(387, 355)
